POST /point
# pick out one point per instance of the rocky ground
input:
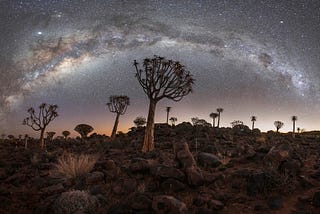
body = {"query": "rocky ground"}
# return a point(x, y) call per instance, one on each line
point(192, 170)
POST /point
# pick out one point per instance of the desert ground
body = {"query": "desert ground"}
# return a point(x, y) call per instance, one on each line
point(193, 169)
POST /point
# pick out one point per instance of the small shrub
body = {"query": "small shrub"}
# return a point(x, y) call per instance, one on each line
point(75, 201)
point(72, 166)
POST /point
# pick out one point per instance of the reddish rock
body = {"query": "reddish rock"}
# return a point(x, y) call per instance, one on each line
point(167, 172)
point(173, 185)
point(215, 205)
point(53, 189)
point(194, 176)
point(140, 201)
point(168, 204)
point(95, 178)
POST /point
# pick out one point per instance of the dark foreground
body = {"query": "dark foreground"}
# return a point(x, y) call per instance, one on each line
point(192, 170)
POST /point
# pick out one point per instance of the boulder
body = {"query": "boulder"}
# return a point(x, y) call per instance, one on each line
point(277, 155)
point(95, 178)
point(140, 165)
point(168, 204)
point(167, 172)
point(208, 159)
point(275, 203)
point(194, 176)
point(215, 205)
point(140, 202)
point(54, 189)
point(316, 199)
point(259, 183)
point(183, 155)
point(173, 185)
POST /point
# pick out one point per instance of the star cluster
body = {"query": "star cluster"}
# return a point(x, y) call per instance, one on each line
point(250, 57)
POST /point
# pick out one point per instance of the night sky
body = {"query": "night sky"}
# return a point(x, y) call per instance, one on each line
point(249, 57)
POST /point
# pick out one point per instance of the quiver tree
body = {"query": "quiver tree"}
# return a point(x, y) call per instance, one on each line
point(168, 108)
point(50, 136)
point(161, 78)
point(83, 130)
point(253, 120)
point(294, 119)
point(213, 116)
point(236, 123)
point(219, 110)
point(26, 138)
point(140, 121)
point(278, 125)
point(66, 134)
point(118, 105)
point(39, 121)
point(173, 120)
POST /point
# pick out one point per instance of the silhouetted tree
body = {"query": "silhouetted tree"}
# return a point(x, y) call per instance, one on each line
point(213, 116)
point(26, 138)
point(11, 137)
point(294, 119)
point(253, 120)
point(50, 136)
point(118, 105)
point(199, 122)
point(219, 110)
point(298, 129)
point(168, 108)
point(173, 120)
point(140, 121)
point(40, 121)
point(236, 123)
point(83, 130)
point(66, 134)
point(161, 78)
point(278, 125)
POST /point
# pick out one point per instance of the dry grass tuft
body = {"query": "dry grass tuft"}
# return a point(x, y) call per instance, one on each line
point(73, 166)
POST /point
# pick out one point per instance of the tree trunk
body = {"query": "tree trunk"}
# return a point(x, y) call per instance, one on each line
point(148, 143)
point(167, 117)
point(294, 129)
point(213, 122)
point(115, 127)
point(218, 119)
point(252, 125)
point(42, 139)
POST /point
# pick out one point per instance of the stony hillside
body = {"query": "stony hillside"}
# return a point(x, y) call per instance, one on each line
point(193, 170)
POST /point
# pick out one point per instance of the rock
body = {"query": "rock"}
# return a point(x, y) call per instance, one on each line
point(173, 185)
point(167, 172)
point(3, 174)
point(275, 203)
point(117, 189)
point(129, 185)
point(215, 205)
point(290, 168)
point(249, 152)
point(140, 201)
point(119, 209)
point(208, 159)
point(183, 155)
point(194, 176)
point(259, 183)
point(316, 199)
point(95, 178)
point(54, 189)
point(206, 211)
point(140, 165)
point(277, 155)
point(168, 204)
